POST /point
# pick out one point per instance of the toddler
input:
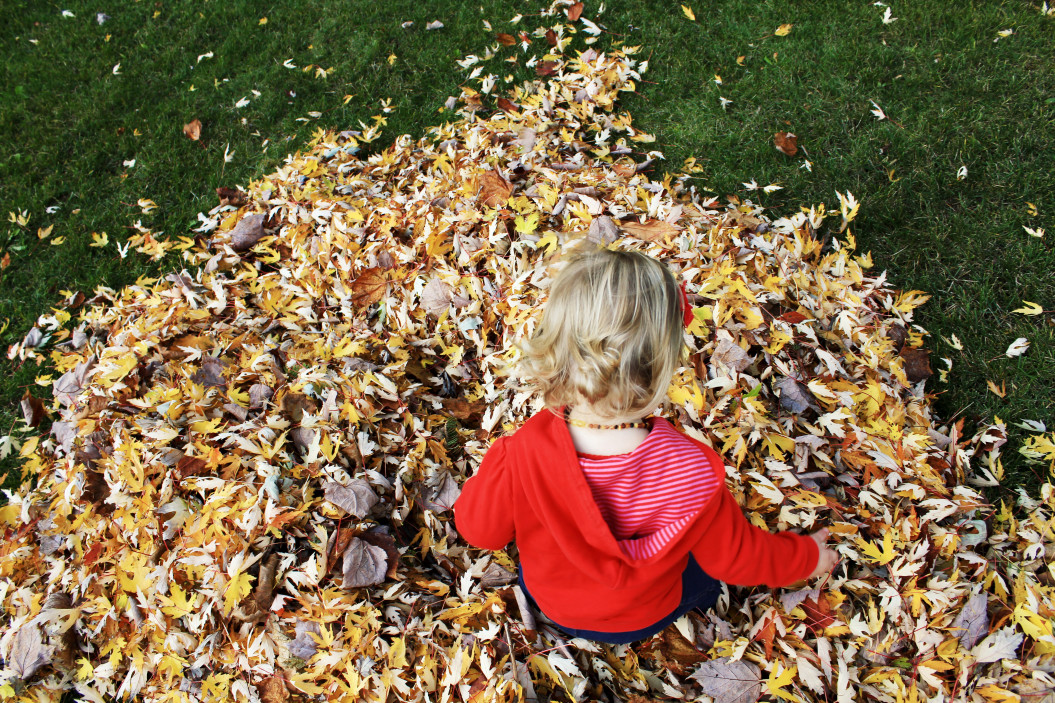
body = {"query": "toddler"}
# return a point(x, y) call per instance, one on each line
point(623, 523)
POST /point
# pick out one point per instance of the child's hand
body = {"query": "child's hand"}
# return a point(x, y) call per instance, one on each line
point(828, 558)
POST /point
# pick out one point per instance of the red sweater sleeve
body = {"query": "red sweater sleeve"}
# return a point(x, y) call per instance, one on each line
point(733, 550)
point(483, 512)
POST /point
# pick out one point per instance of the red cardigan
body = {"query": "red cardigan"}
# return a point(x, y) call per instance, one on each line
point(530, 487)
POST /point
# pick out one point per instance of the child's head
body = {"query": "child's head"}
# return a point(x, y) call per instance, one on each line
point(610, 334)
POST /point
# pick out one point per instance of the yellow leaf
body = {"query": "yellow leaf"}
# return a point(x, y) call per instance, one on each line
point(527, 225)
point(99, 239)
point(1029, 308)
point(237, 589)
point(688, 12)
point(776, 684)
point(178, 605)
point(263, 21)
point(397, 653)
point(1000, 390)
point(549, 241)
point(872, 552)
point(783, 30)
point(86, 669)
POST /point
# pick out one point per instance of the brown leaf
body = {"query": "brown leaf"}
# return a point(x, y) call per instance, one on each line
point(603, 230)
point(496, 575)
point(258, 395)
point(651, 231)
point(507, 105)
point(917, 364)
point(364, 565)
point(575, 11)
point(248, 231)
point(71, 383)
point(546, 68)
point(728, 681)
point(436, 296)
point(65, 433)
point(675, 652)
point(786, 142)
point(190, 466)
point(193, 130)
point(506, 39)
point(379, 537)
point(440, 497)
point(210, 374)
point(264, 593)
point(32, 409)
point(356, 499)
point(494, 190)
point(273, 689)
point(6, 261)
point(551, 37)
point(296, 404)
point(369, 287)
point(232, 196)
point(793, 395)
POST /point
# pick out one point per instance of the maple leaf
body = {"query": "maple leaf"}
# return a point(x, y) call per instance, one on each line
point(687, 11)
point(1017, 348)
point(872, 552)
point(237, 588)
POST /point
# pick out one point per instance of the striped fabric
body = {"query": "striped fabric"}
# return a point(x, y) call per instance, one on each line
point(646, 496)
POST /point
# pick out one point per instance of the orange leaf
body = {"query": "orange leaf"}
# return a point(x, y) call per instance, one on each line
point(786, 142)
point(575, 11)
point(494, 190)
point(193, 130)
point(652, 231)
point(506, 39)
point(507, 105)
point(369, 287)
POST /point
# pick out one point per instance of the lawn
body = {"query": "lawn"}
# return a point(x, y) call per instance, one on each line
point(95, 99)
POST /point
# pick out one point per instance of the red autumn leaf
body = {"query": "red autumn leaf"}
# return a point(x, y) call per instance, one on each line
point(794, 317)
point(786, 142)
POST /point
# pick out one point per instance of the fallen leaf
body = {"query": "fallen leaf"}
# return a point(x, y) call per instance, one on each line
point(783, 30)
point(28, 654)
point(1017, 348)
point(356, 498)
point(494, 190)
point(506, 39)
point(369, 287)
point(575, 11)
point(193, 130)
point(917, 364)
point(248, 231)
point(650, 230)
point(1029, 308)
point(729, 681)
point(786, 142)
point(603, 230)
point(363, 565)
point(688, 12)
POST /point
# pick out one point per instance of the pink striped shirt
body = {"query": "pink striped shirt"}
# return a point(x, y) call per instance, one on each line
point(648, 495)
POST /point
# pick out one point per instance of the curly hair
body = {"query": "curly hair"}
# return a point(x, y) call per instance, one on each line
point(610, 334)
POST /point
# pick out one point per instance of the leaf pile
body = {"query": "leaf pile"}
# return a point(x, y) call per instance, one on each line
point(245, 494)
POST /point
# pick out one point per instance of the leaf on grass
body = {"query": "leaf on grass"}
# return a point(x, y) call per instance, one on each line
point(917, 364)
point(506, 39)
point(728, 681)
point(786, 142)
point(688, 12)
point(363, 565)
point(575, 11)
point(1017, 348)
point(783, 30)
point(1029, 308)
point(32, 410)
point(356, 499)
point(193, 130)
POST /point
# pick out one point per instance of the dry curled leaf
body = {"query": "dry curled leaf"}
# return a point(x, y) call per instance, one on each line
point(494, 190)
point(786, 142)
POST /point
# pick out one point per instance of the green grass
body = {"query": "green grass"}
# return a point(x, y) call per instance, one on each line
point(954, 98)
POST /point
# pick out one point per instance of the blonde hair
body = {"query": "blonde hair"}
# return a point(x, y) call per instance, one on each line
point(610, 334)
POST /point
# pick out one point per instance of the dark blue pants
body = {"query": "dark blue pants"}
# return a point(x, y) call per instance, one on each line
point(698, 590)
